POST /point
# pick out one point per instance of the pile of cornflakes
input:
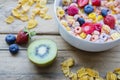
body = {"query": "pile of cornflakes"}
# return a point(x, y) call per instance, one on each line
point(115, 75)
point(86, 73)
point(23, 7)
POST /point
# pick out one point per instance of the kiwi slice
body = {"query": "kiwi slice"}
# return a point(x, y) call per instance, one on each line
point(42, 52)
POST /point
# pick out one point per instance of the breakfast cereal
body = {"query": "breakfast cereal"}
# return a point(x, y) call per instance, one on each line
point(83, 17)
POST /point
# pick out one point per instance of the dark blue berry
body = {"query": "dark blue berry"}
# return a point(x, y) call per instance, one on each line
point(81, 21)
point(104, 12)
point(10, 39)
point(88, 9)
point(13, 48)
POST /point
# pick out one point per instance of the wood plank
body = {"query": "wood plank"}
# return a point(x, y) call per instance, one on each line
point(44, 26)
point(19, 67)
point(62, 45)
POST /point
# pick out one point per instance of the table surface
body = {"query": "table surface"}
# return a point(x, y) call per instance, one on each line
point(20, 68)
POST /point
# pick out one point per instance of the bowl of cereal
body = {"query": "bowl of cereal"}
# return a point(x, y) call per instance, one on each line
point(89, 25)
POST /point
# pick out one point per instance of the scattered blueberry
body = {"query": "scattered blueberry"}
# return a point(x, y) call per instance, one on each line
point(10, 39)
point(13, 48)
point(88, 9)
point(81, 21)
point(104, 12)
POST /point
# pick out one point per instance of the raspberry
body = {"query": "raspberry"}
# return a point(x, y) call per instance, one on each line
point(88, 28)
point(96, 2)
point(72, 10)
point(110, 21)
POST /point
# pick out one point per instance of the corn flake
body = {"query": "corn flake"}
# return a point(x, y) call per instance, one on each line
point(16, 13)
point(111, 76)
point(10, 19)
point(32, 23)
point(26, 7)
point(47, 17)
point(24, 18)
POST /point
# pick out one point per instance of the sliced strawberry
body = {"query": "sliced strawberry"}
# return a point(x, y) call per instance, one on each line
point(110, 21)
point(82, 3)
point(96, 2)
point(23, 36)
point(88, 28)
point(98, 27)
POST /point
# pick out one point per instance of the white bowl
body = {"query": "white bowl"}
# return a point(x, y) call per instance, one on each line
point(81, 43)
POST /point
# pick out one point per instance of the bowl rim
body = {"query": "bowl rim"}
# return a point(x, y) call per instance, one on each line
point(55, 1)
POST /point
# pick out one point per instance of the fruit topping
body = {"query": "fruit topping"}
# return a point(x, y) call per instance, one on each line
point(88, 9)
point(104, 12)
point(110, 21)
point(82, 3)
point(88, 28)
point(96, 2)
point(72, 10)
point(81, 21)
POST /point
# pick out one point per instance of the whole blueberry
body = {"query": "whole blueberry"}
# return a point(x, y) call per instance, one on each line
point(88, 9)
point(10, 39)
point(13, 48)
point(104, 12)
point(81, 21)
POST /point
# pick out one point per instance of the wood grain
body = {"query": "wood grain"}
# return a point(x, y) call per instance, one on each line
point(20, 67)
point(44, 26)
point(61, 43)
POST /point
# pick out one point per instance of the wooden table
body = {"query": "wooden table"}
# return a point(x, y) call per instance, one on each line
point(20, 68)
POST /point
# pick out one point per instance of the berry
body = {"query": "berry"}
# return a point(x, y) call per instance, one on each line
point(10, 39)
point(82, 3)
point(81, 21)
point(13, 48)
point(88, 28)
point(72, 10)
point(96, 2)
point(24, 36)
point(88, 9)
point(110, 21)
point(104, 12)
point(98, 27)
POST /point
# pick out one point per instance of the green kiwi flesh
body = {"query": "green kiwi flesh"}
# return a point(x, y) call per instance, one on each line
point(42, 52)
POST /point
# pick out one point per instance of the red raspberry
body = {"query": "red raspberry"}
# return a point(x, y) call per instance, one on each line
point(96, 2)
point(72, 10)
point(88, 28)
point(110, 21)
point(82, 3)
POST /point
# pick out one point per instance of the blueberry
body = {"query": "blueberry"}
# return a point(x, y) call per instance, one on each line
point(88, 9)
point(10, 39)
point(104, 12)
point(81, 21)
point(13, 48)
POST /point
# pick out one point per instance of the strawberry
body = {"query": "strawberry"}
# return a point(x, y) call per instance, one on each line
point(110, 21)
point(88, 28)
point(96, 2)
point(82, 3)
point(24, 36)
point(98, 27)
